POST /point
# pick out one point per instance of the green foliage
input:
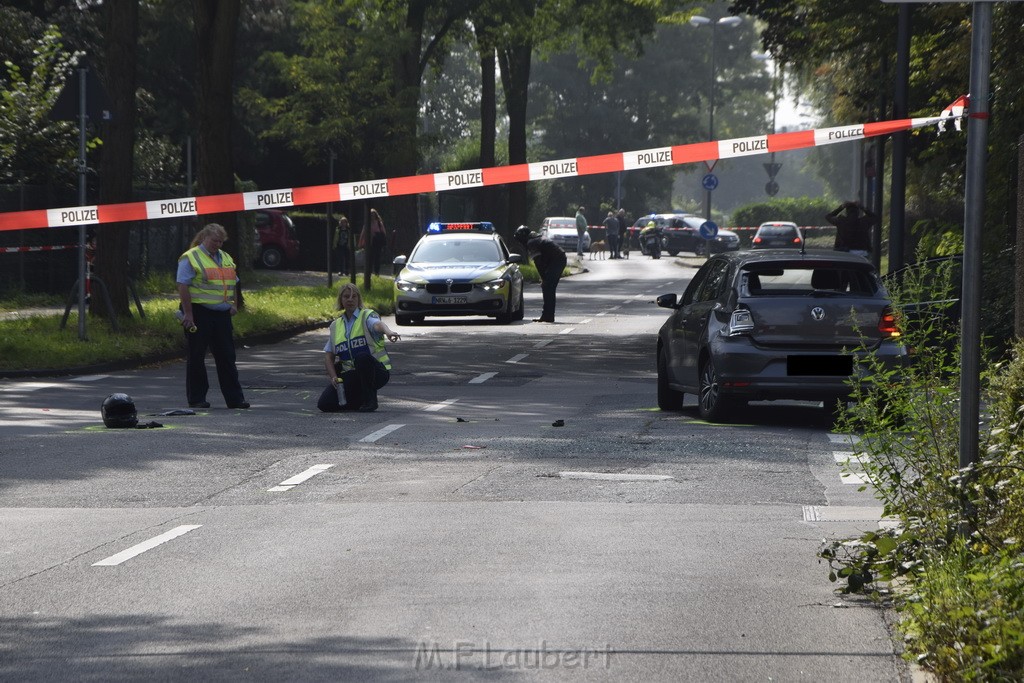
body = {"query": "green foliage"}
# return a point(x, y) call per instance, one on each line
point(33, 148)
point(800, 210)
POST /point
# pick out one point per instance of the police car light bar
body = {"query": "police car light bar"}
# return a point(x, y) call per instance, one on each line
point(482, 226)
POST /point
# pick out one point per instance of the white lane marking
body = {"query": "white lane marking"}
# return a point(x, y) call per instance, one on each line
point(516, 358)
point(32, 386)
point(90, 378)
point(289, 484)
point(480, 379)
point(370, 438)
point(439, 406)
point(842, 513)
point(567, 330)
point(601, 313)
point(843, 438)
point(586, 320)
point(542, 344)
point(853, 478)
point(614, 308)
point(843, 456)
point(606, 476)
point(140, 548)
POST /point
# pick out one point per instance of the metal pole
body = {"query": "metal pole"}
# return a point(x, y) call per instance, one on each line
point(330, 223)
point(898, 189)
point(974, 211)
point(711, 114)
point(82, 275)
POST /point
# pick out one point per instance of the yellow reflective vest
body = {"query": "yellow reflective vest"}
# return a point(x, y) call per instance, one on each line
point(358, 342)
point(213, 284)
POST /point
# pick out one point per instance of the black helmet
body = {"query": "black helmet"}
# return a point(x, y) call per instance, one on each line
point(119, 411)
point(523, 234)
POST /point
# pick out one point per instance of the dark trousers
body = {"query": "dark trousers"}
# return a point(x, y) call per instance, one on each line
point(359, 385)
point(613, 246)
point(377, 243)
point(214, 332)
point(548, 282)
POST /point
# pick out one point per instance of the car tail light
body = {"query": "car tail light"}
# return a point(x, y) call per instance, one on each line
point(796, 240)
point(740, 322)
point(757, 240)
point(887, 324)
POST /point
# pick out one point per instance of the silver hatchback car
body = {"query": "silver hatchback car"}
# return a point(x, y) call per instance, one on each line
point(773, 324)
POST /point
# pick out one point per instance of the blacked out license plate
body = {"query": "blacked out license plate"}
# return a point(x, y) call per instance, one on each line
point(822, 366)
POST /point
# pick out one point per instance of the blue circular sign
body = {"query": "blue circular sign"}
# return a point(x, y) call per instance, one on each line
point(709, 181)
point(708, 230)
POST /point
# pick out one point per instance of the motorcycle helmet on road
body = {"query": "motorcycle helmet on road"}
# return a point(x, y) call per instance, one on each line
point(118, 411)
point(523, 234)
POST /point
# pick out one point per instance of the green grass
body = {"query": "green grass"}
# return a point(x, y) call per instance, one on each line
point(37, 342)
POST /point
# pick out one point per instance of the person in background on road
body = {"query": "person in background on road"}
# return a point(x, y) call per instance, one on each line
point(611, 231)
point(623, 234)
point(853, 228)
point(341, 238)
point(207, 289)
point(356, 360)
point(550, 261)
point(581, 228)
point(374, 239)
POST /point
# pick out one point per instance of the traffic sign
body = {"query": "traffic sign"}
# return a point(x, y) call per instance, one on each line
point(772, 168)
point(708, 230)
point(709, 181)
point(772, 188)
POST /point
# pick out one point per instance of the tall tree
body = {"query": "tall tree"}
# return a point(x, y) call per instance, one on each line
point(216, 26)
point(120, 23)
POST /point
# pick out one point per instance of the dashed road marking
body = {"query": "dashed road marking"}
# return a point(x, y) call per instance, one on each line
point(440, 406)
point(854, 478)
point(516, 358)
point(848, 439)
point(586, 320)
point(567, 330)
point(370, 438)
point(289, 484)
point(542, 344)
point(601, 313)
point(481, 378)
point(609, 476)
point(140, 548)
point(843, 456)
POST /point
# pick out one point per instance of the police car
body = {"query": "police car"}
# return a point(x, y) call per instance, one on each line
point(459, 269)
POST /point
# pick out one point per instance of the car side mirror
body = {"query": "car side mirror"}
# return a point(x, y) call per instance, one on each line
point(515, 258)
point(667, 301)
point(399, 261)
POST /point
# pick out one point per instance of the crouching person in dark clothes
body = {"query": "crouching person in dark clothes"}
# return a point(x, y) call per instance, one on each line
point(550, 261)
point(356, 361)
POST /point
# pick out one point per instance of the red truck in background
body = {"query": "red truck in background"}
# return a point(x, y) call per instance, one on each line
point(276, 239)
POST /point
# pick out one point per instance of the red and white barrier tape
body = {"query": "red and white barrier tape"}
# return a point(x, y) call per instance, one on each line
point(46, 247)
point(441, 182)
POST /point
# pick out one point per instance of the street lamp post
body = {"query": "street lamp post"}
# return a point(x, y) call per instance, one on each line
point(699, 21)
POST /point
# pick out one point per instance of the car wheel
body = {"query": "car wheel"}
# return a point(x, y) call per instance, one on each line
point(506, 316)
point(712, 405)
point(673, 252)
point(271, 257)
point(668, 398)
point(521, 311)
point(700, 248)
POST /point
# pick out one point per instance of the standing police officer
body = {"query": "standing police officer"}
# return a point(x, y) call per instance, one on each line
point(207, 290)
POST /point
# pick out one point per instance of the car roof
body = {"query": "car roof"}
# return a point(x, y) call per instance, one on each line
point(816, 256)
point(778, 224)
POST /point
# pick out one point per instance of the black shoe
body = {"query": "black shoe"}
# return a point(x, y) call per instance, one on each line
point(243, 405)
point(369, 406)
point(199, 404)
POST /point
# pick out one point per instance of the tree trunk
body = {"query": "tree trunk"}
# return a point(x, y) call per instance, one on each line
point(1018, 280)
point(120, 31)
point(216, 26)
point(487, 204)
point(515, 79)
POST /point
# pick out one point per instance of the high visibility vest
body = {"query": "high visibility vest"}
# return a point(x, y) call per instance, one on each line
point(213, 284)
point(358, 342)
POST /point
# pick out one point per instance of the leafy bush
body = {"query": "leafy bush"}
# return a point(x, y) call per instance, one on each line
point(800, 210)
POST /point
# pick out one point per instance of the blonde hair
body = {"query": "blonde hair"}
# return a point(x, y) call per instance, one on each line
point(210, 230)
point(348, 286)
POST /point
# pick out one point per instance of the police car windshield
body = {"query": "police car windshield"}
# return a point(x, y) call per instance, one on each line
point(456, 251)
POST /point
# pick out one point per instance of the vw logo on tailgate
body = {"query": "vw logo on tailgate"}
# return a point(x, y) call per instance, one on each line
point(818, 313)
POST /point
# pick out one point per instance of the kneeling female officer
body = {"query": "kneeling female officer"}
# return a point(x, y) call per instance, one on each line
point(354, 355)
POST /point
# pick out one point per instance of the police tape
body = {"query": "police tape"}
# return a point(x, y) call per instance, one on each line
point(45, 247)
point(457, 180)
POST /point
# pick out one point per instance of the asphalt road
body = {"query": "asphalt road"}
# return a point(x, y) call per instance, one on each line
point(453, 534)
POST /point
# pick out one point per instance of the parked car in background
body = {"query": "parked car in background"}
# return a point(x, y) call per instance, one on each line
point(681, 232)
point(928, 297)
point(277, 242)
point(773, 324)
point(777, 235)
point(562, 231)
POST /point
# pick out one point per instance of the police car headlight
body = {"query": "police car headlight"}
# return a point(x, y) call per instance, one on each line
point(407, 286)
point(492, 286)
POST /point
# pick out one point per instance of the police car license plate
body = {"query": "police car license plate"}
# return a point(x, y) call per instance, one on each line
point(450, 300)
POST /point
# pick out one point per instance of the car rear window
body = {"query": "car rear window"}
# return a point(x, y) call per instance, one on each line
point(776, 231)
point(807, 279)
point(562, 224)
